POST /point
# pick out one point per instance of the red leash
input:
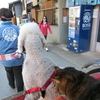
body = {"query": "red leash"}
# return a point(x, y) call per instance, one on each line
point(36, 89)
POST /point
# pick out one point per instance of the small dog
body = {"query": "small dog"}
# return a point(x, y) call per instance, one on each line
point(37, 68)
point(76, 85)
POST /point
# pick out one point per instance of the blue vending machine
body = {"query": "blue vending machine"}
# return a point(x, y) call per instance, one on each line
point(79, 31)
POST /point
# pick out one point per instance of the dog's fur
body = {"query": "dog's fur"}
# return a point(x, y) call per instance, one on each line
point(76, 85)
point(37, 68)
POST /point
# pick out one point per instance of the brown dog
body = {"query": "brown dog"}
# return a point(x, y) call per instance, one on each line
point(76, 85)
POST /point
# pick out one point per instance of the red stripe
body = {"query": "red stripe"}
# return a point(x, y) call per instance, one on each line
point(10, 56)
point(3, 57)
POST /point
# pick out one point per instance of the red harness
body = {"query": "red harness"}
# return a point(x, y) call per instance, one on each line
point(36, 89)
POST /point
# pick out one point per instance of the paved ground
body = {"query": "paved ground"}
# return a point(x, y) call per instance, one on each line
point(77, 59)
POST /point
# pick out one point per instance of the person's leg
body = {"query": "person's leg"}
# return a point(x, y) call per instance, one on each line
point(46, 48)
point(18, 77)
point(45, 37)
point(10, 76)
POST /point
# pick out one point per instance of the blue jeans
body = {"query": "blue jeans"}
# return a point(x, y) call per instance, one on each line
point(14, 73)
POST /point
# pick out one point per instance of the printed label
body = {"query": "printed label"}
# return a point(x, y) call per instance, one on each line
point(86, 21)
point(9, 34)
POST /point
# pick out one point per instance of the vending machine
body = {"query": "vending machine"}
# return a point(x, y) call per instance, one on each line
point(79, 31)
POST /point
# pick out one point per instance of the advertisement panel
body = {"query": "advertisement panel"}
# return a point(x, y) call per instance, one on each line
point(79, 2)
point(70, 3)
point(92, 2)
point(73, 13)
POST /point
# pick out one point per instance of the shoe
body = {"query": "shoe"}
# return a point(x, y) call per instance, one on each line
point(46, 49)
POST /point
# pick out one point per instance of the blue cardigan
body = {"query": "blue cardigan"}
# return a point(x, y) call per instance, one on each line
point(8, 42)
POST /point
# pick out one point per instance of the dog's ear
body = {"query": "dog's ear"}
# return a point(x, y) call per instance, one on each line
point(56, 68)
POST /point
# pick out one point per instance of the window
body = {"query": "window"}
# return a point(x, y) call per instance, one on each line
point(48, 8)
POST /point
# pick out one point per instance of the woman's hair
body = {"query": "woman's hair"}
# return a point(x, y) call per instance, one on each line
point(6, 14)
point(32, 19)
point(44, 17)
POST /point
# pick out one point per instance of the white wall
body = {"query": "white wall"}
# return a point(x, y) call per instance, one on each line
point(59, 35)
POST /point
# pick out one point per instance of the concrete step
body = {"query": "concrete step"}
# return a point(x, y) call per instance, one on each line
point(13, 96)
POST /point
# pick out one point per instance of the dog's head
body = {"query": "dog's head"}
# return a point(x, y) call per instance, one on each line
point(27, 30)
point(66, 79)
point(76, 85)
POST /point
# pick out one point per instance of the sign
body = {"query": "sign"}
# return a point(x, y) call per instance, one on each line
point(64, 19)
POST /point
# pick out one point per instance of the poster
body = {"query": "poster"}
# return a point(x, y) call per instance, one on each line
point(74, 11)
point(64, 19)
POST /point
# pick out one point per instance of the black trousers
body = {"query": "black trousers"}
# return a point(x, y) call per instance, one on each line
point(45, 37)
point(14, 74)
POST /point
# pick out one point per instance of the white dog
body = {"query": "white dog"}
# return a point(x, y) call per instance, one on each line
point(37, 68)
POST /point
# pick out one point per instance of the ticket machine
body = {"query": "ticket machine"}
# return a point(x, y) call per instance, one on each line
point(79, 28)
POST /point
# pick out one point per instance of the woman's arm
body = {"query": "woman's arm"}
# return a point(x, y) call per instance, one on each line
point(49, 28)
